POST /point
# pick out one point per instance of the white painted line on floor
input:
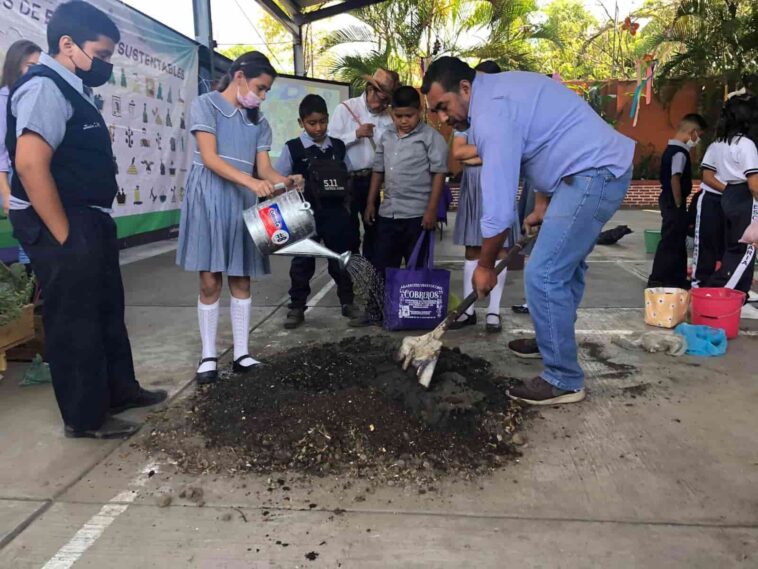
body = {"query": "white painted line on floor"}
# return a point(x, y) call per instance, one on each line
point(91, 531)
point(633, 270)
point(322, 293)
point(580, 332)
point(142, 252)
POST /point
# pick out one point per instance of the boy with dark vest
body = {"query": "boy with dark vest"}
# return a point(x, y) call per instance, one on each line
point(670, 264)
point(61, 196)
point(321, 160)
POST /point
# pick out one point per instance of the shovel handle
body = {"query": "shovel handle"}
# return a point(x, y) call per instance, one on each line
point(467, 302)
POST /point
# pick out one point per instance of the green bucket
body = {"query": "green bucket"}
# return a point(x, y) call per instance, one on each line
point(652, 238)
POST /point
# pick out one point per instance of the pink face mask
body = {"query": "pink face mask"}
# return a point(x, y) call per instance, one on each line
point(249, 100)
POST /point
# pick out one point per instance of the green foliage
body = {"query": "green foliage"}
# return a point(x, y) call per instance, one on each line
point(400, 34)
point(706, 38)
point(15, 291)
point(688, 38)
point(647, 167)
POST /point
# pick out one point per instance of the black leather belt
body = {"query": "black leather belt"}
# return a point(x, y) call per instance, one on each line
point(362, 173)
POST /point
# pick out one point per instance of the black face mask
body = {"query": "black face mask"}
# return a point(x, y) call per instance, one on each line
point(98, 74)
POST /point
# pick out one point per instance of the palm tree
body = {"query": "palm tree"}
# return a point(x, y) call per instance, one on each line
point(509, 34)
point(705, 38)
point(402, 34)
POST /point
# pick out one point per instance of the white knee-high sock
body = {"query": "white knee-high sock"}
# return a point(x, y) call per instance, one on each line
point(207, 317)
point(468, 273)
point(240, 313)
point(497, 294)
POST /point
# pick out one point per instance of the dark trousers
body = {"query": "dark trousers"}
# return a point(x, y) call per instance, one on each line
point(670, 263)
point(395, 240)
point(337, 229)
point(738, 263)
point(708, 235)
point(359, 202)
point(86, 342)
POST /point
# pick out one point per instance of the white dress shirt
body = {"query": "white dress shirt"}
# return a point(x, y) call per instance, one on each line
point(342, 125)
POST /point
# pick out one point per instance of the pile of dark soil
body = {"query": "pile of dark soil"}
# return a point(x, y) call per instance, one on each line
point(345, 408)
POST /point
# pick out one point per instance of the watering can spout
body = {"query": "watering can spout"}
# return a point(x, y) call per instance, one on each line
point(309, 248)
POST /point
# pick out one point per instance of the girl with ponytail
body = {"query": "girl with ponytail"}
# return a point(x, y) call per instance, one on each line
point(730, 165)
point(232, 142)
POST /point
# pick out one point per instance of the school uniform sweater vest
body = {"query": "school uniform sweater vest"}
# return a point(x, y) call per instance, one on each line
point(82, 166)
point(301, 159)
point(301, 156)
point(665, 174)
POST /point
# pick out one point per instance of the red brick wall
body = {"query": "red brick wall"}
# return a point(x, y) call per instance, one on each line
point(642, 194)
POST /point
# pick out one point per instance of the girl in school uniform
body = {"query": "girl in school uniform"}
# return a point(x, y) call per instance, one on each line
point(20, 56)
point(731, 165)
point(467, 231)
point(232, 139)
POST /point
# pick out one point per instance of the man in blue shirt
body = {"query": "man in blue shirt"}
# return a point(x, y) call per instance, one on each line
point(527, 123)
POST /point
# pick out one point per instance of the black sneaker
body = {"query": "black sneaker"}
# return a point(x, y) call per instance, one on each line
point(525, 348)
point(112, 428)
point(469, 320)
point(350, 311)
point(144, 398)
point(295, 317)
point(537, 391)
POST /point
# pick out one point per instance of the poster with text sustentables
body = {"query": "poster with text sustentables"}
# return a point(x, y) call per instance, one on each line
point(145, 105)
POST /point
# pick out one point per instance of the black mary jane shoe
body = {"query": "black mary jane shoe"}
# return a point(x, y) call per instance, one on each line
point(237, 367)
point(494, 328)
point(470, 320)
point(207, 377)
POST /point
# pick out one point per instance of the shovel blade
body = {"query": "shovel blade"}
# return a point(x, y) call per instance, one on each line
point(421, 353)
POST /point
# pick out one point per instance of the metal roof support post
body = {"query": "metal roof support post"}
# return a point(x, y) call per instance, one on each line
point(297, 49)
point(201, 10)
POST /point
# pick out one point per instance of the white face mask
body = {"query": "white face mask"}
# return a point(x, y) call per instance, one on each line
point(693, 143)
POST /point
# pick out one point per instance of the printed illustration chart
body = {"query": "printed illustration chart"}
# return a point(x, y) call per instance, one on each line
point(282, 104)
point(145, 104)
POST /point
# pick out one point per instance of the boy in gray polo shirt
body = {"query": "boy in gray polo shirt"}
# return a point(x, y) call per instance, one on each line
point(411, 160)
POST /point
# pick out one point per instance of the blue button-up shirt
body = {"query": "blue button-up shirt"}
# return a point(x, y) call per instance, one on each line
point(526, 123)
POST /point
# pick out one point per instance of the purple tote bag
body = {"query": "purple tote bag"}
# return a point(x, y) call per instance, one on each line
point(416, 298)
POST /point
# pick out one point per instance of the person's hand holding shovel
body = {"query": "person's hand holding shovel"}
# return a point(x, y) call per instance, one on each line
point(535, 219)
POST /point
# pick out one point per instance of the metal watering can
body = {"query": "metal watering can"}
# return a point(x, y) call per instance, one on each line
point(282, 226)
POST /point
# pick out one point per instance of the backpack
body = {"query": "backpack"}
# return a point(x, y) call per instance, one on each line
point(326, 176)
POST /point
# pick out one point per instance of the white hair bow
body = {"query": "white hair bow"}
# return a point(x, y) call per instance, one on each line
point(737, 93)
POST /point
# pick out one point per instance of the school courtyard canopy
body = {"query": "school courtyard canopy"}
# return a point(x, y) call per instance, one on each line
point(292, 14)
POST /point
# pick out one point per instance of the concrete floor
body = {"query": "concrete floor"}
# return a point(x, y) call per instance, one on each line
point(662, 475)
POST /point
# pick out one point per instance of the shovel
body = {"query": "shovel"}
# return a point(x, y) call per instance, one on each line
point(422, 352)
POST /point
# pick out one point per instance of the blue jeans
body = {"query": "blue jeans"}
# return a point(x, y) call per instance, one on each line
point(580, 206)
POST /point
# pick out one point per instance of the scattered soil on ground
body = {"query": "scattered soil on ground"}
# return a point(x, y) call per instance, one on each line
point(345, 408)
point(616, 370)
point(636, 390)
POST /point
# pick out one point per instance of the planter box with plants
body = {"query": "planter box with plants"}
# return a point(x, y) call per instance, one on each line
point(16, 311)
